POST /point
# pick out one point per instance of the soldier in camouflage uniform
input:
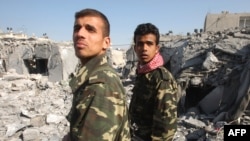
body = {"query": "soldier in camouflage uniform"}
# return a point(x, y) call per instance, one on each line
point(99, 111)
point(153, 106)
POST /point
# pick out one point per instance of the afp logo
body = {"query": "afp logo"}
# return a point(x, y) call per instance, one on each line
point(241, 132)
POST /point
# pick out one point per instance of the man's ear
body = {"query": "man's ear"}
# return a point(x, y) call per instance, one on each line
point(157, 49)
point(106, 43)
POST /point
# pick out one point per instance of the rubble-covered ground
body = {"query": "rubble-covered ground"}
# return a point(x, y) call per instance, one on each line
point(32, 108)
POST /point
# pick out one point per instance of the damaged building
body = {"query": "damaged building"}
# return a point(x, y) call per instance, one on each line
point(213, 66)
point(37, 56)
point(55, 60)
point(226, 20)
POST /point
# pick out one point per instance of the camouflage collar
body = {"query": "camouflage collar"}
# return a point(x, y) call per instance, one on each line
point(84, 72)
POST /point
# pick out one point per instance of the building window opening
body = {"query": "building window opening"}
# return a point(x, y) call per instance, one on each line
point(194, 94)
point(41, 65)
point(37, 66)
point(31, 65)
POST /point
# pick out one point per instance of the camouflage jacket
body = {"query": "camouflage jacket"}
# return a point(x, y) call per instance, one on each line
point(153, 106)
point(99, 111)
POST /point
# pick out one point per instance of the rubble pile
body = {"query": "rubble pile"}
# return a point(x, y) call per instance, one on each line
point(32, 108)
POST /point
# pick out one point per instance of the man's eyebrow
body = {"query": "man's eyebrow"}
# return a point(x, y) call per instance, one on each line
point(145, 41)
point(90, 27)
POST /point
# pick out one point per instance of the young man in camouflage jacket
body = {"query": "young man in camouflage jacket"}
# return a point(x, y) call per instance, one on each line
point(99, 111)
point(153, 106)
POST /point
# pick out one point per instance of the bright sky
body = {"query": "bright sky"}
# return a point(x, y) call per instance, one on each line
point(56, 17)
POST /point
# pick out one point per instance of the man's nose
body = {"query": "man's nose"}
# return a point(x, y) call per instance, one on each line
point(81, 32)
point(144, 46)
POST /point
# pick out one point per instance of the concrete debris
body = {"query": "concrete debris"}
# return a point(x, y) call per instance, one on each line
point(33, 110)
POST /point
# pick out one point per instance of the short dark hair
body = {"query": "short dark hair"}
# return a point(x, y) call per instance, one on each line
point(147, 28)
point(94, 12)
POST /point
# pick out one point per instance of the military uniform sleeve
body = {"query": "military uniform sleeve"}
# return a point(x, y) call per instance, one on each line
point(165, 111)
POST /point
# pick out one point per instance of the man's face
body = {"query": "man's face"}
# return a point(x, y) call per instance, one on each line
point(146, 48)
point(88, 38)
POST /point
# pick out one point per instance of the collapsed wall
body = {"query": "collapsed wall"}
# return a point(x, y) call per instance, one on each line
point(43, 56)
point(33, 56)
